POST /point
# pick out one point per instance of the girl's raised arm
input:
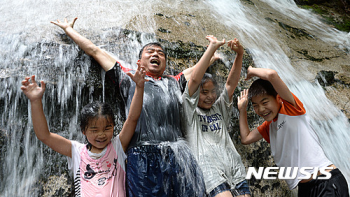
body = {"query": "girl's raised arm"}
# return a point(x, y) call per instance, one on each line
point(35, 93)
point(235, 72)
point(129, 126)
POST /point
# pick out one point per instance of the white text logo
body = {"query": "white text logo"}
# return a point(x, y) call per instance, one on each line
point(288, 172)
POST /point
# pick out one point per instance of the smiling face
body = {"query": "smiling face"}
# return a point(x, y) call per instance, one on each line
point(207, 95)
point(266, 106)
point(99, 133)
point(154, 60)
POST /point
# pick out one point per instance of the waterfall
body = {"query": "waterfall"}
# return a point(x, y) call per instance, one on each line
point(257, 35)
point(30, 45)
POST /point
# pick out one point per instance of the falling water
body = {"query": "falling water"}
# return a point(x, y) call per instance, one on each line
point(257, 35)
point(30, 45)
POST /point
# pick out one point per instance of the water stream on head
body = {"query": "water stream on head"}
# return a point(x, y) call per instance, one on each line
point(30, 45)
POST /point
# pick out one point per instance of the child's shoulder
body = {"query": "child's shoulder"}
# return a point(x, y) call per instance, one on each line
point(288, 108)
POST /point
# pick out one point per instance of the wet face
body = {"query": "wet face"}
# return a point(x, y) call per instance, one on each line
point(99, 133)
point(266, 106)
point(207, 95)
point(153, 59)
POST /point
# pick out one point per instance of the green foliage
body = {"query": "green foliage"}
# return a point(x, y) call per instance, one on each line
point(341, 23)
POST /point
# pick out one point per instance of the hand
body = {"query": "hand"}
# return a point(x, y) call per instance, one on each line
point(64, 25)
point(139, 76)
point(242, 102)
point(214, 41)
point(236, 46)
point(32, 90)
point(249, 73)
point(216, 56)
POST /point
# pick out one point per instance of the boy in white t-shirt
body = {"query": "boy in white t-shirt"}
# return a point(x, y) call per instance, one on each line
point(287, 128)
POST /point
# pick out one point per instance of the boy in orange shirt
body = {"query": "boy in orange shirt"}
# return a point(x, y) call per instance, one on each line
point(287, 128)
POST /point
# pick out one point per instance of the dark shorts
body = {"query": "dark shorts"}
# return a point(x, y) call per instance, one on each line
point(154, 170)
point(336, 186)
point(241, 188)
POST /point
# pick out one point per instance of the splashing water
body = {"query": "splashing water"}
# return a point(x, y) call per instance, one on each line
point(189, 173)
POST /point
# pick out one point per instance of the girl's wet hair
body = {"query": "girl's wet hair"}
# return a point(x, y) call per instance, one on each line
point(94, 110)
point(208, 77)
point(259, 87)
point(152, 44)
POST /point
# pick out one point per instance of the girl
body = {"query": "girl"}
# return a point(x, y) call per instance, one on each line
point(206, 120)
point(99, 165)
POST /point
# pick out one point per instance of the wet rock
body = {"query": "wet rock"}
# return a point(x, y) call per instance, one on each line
point(164, 30)
point(325, 78)
point(309, 2)
point(57, 186)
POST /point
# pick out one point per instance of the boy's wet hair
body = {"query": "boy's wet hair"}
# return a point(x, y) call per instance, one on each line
point(94, 110)
point(260, 87)
point(208, 77)
point(152, 44)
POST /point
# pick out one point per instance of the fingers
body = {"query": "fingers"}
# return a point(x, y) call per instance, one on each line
point(65, 21)
point(43, 85)
point(25, 82)
point(234, 43)
point(74, 20)
point(243, 94)
point(130, 75)
point(142, 72)
point(33, 79)
point(223, 41)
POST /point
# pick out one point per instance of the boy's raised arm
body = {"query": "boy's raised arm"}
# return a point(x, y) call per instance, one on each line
point(129, 126)
point(102, 57)
point(247, 136)
point(273, 77)
point(35, 94)
point(235, 72)
point(202, 65)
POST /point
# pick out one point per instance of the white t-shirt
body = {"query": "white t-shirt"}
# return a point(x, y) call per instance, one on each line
point(206, 132)
point(98, 177)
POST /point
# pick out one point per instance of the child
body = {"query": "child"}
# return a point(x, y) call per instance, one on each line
point(206, 121)
point(287, 129)
point(99, 166)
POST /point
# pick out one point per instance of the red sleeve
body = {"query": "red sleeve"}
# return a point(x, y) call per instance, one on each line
point(124, 69)
point(291, 110)
point(264, 130)
point(177, 77)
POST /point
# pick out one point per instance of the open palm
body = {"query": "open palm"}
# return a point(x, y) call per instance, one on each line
point(31, 89)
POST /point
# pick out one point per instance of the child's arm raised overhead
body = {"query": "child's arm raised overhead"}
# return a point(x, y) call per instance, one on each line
point(247, 136)
point(203, 64)
point(129, 126)
point(233, 77)
point(102, 57)
point(35, 93)
point(188, 71)
point(273, 77)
